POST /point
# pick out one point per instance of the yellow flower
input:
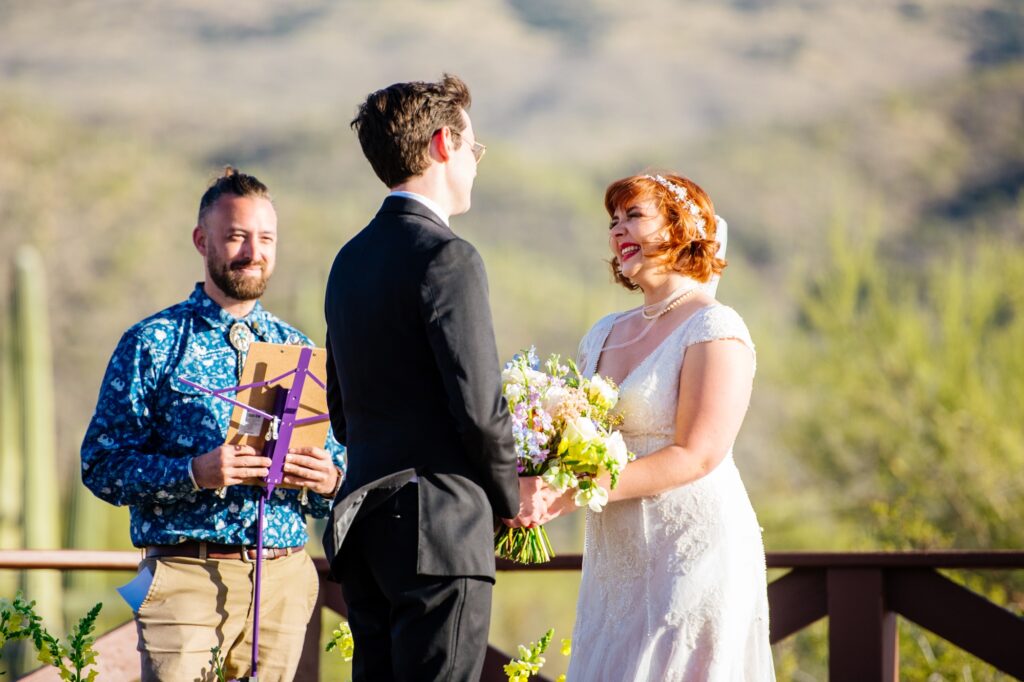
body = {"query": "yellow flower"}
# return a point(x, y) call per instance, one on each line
point(343, 641)
point(518, 671)
point(566, 647)
point(602, 393)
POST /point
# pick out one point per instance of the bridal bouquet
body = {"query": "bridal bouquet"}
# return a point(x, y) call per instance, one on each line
point(564, 432)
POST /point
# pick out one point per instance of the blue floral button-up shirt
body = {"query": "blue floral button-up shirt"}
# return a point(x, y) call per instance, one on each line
point(148, 426)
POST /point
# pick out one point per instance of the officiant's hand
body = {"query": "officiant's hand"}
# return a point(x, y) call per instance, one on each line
point(312, 468)
point(229, 465)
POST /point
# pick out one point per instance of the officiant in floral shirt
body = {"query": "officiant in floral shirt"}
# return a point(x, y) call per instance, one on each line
point(157, 445)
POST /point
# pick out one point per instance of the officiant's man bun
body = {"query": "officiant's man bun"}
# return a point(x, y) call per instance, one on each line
point(234, 183)
point(690, 245)
point(395, 124)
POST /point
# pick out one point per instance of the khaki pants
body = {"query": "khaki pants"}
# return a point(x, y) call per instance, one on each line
point(196, 604)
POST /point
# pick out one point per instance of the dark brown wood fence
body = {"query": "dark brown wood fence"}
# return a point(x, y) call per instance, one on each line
point(861, 593)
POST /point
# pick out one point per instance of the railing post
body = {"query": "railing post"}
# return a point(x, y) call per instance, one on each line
point(862, 638)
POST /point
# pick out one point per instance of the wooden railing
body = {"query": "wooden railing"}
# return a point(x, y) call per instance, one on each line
point(860, 593)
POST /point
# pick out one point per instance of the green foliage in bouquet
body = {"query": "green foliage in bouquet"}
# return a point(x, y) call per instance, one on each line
point(524, 545)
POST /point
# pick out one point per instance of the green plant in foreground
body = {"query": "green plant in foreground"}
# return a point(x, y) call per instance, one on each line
point(17, 622)
point(20, 621)
point(217, 663)
point(530, 661)
point(531, 658)
point(342, 641)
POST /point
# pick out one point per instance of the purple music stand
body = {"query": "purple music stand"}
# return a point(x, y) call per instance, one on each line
point(282, 423)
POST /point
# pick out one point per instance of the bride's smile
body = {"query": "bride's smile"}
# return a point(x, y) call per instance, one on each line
point(628, 250)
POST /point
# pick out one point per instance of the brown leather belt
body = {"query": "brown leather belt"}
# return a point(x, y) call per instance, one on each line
point(213, 550)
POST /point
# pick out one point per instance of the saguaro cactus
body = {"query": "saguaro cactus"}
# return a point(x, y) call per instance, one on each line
point(11, 536)
point(33, 379)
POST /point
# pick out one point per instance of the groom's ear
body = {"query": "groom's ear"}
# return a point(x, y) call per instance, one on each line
point(441, 145)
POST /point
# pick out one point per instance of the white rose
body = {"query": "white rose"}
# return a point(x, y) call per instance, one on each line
point(554, 397)
point(581, 429)
point(594, 497)
point(601, 393)
point(617, 450)
point(512, 375)
point(513, 392)
point(578, 439)
point(535, 378)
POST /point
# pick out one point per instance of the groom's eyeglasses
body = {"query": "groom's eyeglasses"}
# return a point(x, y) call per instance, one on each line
point(478, 151)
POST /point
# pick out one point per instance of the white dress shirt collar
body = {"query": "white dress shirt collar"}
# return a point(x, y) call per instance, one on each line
point(429, 203)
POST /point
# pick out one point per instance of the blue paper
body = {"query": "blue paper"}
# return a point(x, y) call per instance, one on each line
point(135, 591)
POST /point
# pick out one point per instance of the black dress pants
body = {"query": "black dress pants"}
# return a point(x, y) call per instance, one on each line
point(409, 627)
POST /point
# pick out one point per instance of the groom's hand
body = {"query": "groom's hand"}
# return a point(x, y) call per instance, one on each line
point(538, 503)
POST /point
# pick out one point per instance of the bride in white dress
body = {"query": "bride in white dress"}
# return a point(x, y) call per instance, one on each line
point(674, 584)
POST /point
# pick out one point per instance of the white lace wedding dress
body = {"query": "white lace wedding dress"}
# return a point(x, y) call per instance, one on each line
point(674, 585)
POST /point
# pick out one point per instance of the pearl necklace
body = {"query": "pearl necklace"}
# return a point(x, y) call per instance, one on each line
point(674, 302)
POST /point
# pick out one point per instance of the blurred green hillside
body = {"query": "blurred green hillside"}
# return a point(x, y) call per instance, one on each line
point(811, 123)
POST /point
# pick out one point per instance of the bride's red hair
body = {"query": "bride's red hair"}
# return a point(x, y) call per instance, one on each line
point(685, 250)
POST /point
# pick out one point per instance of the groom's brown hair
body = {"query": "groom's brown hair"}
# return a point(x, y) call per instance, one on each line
point(395, 124)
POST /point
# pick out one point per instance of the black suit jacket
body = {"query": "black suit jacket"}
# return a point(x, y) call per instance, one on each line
point(414, 385)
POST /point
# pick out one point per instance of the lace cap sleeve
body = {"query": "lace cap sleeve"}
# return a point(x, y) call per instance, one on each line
point(590, 344)
point(719, 322)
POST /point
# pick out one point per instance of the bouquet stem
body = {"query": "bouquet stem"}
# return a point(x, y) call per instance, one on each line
point(524, 545)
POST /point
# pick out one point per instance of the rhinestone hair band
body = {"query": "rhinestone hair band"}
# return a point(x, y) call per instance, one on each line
point(679, 192)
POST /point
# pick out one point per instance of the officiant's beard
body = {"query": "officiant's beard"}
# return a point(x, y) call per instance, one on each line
point(230, 279)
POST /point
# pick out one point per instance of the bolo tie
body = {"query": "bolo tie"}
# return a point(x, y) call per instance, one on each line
point(240, 338)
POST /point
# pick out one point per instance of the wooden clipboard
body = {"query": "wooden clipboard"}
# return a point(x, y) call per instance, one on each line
point(266, 361)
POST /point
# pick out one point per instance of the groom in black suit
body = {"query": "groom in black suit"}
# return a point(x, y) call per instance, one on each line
point(414, 390)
